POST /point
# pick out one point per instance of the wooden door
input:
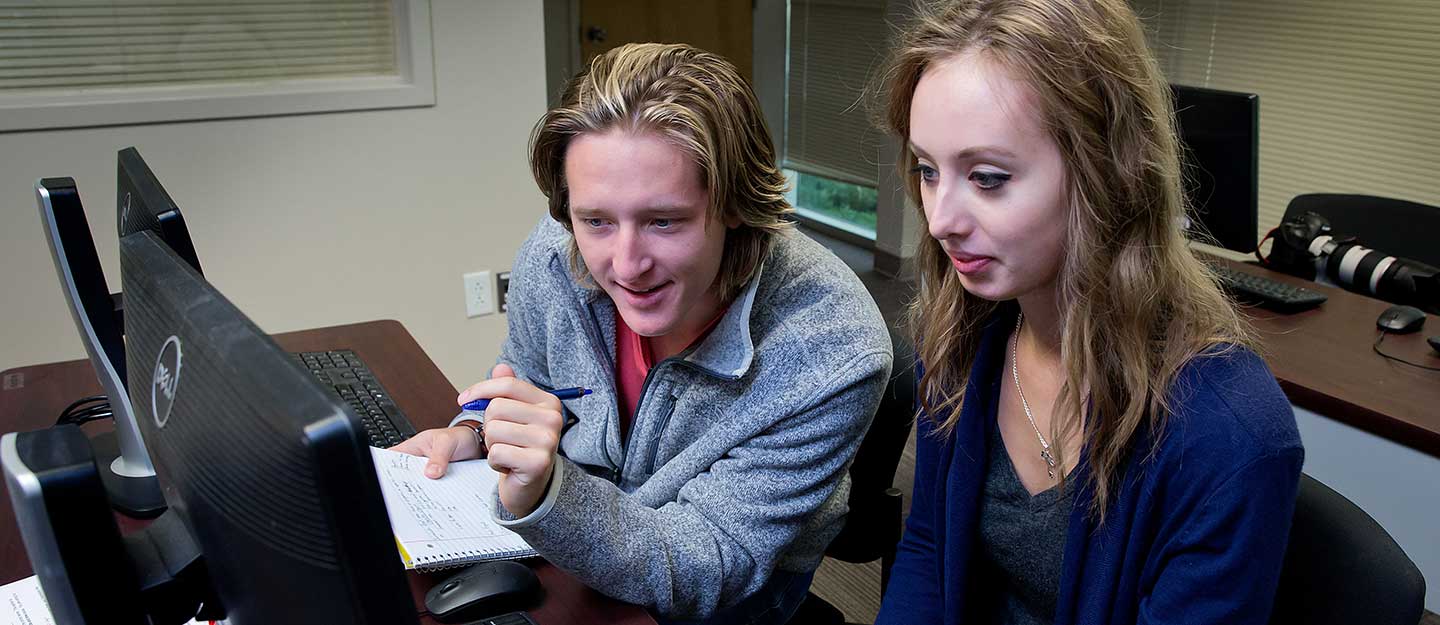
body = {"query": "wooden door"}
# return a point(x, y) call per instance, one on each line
point(720, 26)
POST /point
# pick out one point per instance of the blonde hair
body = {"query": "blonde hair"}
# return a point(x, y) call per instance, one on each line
point(701, 104)
point(1136, 304)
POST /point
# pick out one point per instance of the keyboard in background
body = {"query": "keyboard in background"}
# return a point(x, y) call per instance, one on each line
point(347, 376)
point(1260, 291)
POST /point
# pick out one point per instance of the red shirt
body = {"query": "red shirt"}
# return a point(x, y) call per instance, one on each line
point(633, 361)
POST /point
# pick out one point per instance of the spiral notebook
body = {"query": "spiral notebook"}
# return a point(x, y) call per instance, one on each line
point(446, 522)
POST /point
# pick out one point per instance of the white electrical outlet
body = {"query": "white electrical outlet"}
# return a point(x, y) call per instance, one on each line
point(479, 294)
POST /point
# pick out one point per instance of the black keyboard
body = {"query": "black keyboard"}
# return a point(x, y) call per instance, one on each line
point(1270, 294)
point(346, 375)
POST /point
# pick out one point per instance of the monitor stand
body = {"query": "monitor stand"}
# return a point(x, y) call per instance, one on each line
point(131, 491)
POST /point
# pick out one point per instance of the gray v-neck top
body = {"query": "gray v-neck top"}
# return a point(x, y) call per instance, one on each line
point(1022, 540)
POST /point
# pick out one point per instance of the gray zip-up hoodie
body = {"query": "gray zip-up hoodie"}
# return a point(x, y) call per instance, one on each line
point(736, 460)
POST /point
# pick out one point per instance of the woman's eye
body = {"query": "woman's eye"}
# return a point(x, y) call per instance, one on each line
point(989, 179)
point(926, 172)
point(594, 222)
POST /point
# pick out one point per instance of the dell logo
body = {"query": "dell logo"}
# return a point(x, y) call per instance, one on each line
point(166, 379)
point(125, 214)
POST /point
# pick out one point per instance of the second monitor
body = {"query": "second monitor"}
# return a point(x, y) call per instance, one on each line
point(1220, 152)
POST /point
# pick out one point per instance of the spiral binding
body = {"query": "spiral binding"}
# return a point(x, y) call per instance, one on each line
point(442, 561)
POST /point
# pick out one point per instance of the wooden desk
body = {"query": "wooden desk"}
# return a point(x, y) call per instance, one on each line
point(32, 397)
point(1324, 361)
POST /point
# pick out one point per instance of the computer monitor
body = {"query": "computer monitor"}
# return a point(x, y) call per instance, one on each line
point(1220, 152)
point(142, 204)
point(271, 474)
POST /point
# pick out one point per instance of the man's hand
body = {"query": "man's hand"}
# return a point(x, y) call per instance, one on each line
point(522, 433)
point(440, 447)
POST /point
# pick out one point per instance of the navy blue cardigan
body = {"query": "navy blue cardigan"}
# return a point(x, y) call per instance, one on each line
point(1195, 534)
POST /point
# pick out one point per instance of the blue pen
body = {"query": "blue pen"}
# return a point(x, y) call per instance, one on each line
point(562, 393)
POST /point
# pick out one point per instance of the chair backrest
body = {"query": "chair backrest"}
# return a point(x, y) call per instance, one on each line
point(1342, 567)
point(873, 525)
point(1395, 227)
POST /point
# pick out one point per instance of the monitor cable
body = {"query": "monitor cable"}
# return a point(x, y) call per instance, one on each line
point(1398, 359)
point(85, 410)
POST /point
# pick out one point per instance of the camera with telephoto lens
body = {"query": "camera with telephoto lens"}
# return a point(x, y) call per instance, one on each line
point(1306, 247)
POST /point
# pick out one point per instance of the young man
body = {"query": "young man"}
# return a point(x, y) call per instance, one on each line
point(735, 364)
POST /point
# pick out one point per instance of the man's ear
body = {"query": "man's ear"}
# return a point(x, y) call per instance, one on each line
point(732, 222)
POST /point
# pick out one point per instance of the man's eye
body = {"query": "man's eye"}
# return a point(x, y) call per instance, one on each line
point(662, 223)
point(989, 180)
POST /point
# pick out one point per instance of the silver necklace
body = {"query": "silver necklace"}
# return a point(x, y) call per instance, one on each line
point(1015, 373)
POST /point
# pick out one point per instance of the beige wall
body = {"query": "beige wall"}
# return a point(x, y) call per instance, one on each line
point(314, 220)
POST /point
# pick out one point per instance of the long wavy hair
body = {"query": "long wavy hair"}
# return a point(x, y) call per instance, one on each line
point(697, 101)
point(1136, 304)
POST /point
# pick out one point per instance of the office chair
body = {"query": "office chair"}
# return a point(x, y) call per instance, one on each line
point(873, 526)
point(1395, 227)
point(1342, 567)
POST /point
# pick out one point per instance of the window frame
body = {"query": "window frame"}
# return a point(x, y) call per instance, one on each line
point(413, 87)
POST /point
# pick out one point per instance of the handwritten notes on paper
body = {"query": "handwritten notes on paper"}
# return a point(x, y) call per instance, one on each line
point(446, 521)
point(22, 603)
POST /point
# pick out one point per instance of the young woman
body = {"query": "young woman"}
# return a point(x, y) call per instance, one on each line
point(1097, 442)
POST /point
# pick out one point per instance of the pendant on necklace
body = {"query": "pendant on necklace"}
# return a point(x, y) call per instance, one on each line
point(1049, 462)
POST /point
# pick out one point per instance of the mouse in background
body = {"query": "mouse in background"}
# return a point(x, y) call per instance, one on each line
point(1401, 319)
point(482, 590)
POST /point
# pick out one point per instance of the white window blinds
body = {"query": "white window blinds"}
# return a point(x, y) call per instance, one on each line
point(1348, 92)
point(834, 47)
point(127, 42)
point(77, 52)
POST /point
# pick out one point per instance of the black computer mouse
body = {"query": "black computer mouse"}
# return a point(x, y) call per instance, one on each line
point(1401, 319)
point(481, 590)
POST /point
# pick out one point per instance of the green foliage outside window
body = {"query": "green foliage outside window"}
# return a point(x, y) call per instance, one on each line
point(851, 203)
